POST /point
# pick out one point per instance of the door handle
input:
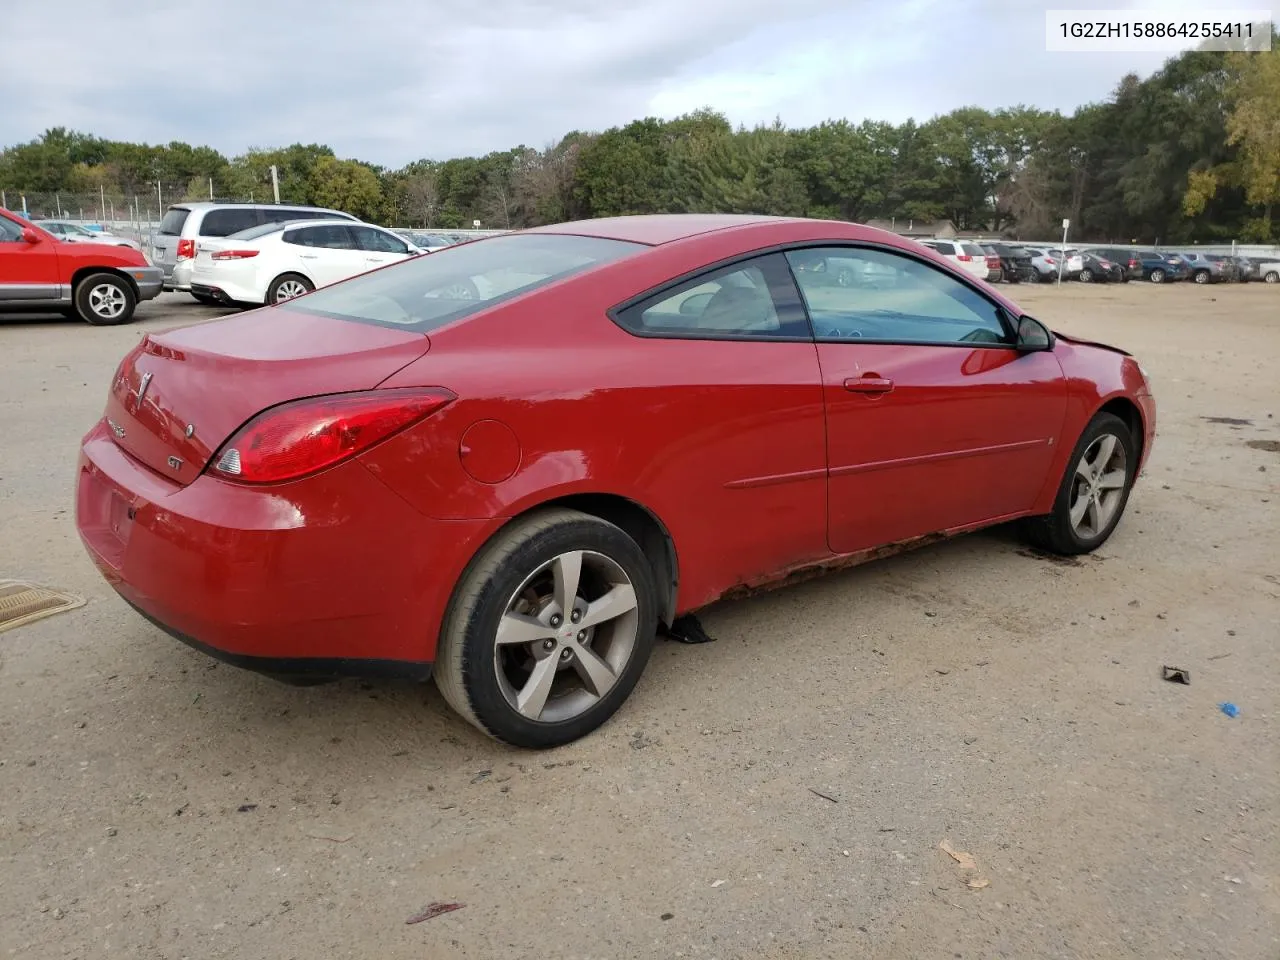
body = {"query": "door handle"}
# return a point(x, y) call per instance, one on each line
point(308, 256)
point(868, 384)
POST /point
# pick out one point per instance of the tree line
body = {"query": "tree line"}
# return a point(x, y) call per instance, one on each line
point(1192, 153)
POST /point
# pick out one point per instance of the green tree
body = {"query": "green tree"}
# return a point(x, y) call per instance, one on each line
point(345, 185)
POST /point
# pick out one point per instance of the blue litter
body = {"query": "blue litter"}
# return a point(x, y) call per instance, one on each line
point(1230, 709)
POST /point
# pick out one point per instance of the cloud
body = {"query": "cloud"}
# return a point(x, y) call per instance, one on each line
point(393, 80)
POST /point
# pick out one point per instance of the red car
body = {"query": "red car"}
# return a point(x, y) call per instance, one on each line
point(97, 282)
point(514, 459)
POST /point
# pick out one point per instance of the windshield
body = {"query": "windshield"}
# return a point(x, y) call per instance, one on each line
point(427, 292)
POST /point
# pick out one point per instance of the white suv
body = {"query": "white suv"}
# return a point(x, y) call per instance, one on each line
point(968, 256)
point(174, 245)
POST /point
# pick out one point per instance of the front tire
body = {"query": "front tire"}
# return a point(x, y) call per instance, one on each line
point(548, 630)
point(1272, 277)
point(1201, 276)
point(1157, 275)
point(104, 299)
point(1086, 276)
point(1093, 493)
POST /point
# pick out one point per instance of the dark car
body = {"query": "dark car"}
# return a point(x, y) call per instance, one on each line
point(1015, 262)
point(1210, 267)
point(1142, 264)
point(1098, 269)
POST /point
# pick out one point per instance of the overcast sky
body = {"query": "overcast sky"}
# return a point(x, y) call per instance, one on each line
point(390, 81)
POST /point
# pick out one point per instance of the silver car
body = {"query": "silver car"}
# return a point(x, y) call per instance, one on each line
point(184, 224)
point(74, 233)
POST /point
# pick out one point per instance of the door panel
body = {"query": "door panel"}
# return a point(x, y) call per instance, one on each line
point(28, 271)
point(329, 253)
point(961, 436)
point(934, 420)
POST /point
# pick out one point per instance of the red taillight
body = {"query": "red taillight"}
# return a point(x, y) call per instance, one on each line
point(234, 254)
point(186, 249)
point(305, 436)
point(963, 257)
point(993, 263)
point(1133, 262)
point(1050, 261)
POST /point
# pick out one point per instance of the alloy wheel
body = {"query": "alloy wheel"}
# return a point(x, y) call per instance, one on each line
point(290, 289)
point(566, 636)
point(107, 301)
point(1098, 487)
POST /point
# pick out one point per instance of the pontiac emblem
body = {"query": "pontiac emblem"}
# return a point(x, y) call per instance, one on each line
point(142, 387)
point(175, 462)
point(116, 428)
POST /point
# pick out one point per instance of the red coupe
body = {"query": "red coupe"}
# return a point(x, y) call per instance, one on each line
point(514, 459)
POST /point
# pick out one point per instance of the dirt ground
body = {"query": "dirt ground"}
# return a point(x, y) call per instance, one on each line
point(781, 793)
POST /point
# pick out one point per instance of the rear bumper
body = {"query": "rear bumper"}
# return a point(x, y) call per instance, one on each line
point(332, 575)
point(178, 276)
point(216, 293)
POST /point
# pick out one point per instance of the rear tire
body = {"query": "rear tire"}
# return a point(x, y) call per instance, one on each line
point(287, 287)
point(1104, 461)
point(104, 299)
point(1086, 276)
point(518, 586)
point(1201, 276)
point(1157, 275)
point(1272, 277)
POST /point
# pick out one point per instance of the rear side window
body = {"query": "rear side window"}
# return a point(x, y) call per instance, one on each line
point(425, 293)
point(330, 236)
point(946, 249)
point(172, 221)
point(377, 241)
point(229, 220)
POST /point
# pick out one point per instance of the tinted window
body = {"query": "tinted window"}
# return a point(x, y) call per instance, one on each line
point(10, 232)
point(229, 220)
point(171, 223)
point(377, 241)
point(877, 295)
point(973, 250)
point(330, 236)
point(427, 292)
point(946, 249)
point(752, 299)
point(253, 233)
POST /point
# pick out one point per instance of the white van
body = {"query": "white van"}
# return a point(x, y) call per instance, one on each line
point(183, 224)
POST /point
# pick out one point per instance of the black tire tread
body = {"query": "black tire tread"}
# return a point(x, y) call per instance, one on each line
point(1052, 532)
point(450, 661)
point(87, 315)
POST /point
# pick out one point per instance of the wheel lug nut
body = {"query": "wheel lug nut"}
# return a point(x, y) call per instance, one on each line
point(556, 619)
point(582, 635)
point(548, 644)
point(566, 653)
point(576, 616)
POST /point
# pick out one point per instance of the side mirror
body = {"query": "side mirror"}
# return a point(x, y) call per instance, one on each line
point(30, 236)
point(1033, 336)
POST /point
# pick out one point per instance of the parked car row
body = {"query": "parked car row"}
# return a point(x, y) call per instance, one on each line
point(1017, 263)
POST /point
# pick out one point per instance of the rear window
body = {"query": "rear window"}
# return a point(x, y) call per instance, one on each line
point(427, 292)
point(973, 250)
point(228, 220)
point(944, 248)
point(172, 221)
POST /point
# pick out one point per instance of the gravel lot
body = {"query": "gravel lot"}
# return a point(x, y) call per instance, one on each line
point(155, 804)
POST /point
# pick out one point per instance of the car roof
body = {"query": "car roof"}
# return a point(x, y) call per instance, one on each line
point(218, 205)
point(657, 228)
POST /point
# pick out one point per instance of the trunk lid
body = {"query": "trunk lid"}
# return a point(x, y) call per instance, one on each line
point(179, 395)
